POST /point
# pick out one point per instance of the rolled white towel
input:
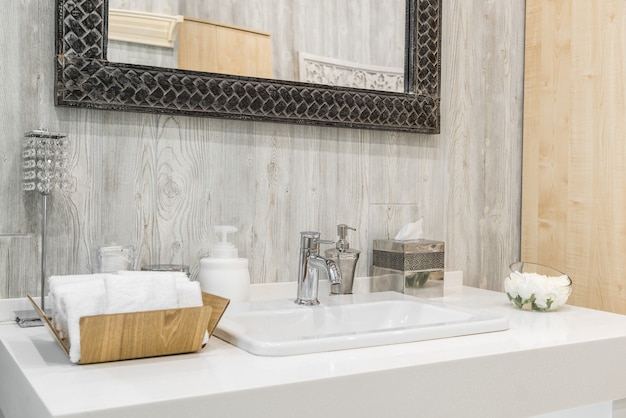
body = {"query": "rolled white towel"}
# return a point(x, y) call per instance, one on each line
point(85, 295)
point(77, 300)
point(55, 285)
point(135, 293)
point(54, 281)
point(189, 294)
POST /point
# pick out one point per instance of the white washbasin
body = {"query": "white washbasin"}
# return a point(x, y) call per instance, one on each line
point(280, 327)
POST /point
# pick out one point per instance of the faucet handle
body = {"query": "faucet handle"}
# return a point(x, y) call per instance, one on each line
point(310, 240)
point(324, 241)
point(321, 241)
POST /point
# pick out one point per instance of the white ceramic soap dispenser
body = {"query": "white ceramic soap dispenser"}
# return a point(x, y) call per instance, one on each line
point(223, 273)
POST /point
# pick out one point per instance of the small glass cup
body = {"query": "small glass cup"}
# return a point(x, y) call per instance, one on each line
point(109, 259)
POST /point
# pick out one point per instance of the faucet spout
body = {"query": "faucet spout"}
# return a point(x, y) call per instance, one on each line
point(311, 264)
point(328, 266)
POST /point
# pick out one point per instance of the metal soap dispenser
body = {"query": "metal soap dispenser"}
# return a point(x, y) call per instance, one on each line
point(346, 258)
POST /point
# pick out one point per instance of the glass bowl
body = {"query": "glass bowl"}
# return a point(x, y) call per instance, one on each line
point(536, 287)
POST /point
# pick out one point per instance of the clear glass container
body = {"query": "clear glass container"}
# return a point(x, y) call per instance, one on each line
point(109, 259)
point(175, 268)
point(537, 287)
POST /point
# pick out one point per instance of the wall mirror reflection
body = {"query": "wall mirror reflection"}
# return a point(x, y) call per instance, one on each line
point(355, 63)
point(352, 43)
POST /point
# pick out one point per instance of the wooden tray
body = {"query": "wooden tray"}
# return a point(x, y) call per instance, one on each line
point(125, 336)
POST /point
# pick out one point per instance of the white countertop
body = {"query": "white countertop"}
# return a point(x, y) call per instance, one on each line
point(544, 362)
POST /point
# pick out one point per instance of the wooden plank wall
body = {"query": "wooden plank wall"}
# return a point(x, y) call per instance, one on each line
point(483, 55)
point(161, 182)
point(574, 195)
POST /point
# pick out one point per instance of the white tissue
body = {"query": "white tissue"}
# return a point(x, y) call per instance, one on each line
point(411, 231)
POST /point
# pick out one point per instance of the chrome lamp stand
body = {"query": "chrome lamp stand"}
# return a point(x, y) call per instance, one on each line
point(45, 169)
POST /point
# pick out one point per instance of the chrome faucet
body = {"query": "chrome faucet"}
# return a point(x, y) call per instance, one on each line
point(311, 263)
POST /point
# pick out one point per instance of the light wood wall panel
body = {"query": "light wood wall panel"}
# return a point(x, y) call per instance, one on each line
point(574, 195)
point(162, 182)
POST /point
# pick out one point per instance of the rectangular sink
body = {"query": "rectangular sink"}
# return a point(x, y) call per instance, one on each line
point(280, 327)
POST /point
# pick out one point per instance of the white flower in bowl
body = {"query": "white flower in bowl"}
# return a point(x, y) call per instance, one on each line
point(537, 291)
point(512, 284)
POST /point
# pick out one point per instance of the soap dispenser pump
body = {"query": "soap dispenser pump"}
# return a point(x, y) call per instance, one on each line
point(346, 258)
point(223, 273)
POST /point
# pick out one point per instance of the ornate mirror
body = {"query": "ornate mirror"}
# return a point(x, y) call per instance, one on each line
point(85, 78)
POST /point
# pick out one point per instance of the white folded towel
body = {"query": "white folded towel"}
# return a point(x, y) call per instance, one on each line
point(78, 300)
point(54, 281)
point(55, 284)
point(94, 294)
point(135, 293)
point(189, 294)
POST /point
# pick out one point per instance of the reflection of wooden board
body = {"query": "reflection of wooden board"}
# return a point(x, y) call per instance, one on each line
point(125, 336)
point(226, 49)
point(574, 169)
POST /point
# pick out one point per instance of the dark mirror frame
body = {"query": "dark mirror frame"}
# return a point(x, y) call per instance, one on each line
point(84, 78)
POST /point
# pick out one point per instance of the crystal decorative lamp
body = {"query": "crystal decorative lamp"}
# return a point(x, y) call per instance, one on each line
point(45, 170)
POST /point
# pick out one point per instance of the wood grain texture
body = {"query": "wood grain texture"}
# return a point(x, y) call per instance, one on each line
point(574, 151)
point(133, 335)
point(482, 60)
point(19, 110)
point(19, 268)
point(218, 306)
point(21, 79)
point(211, 47)
point(162, 182)
point(142, 334)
